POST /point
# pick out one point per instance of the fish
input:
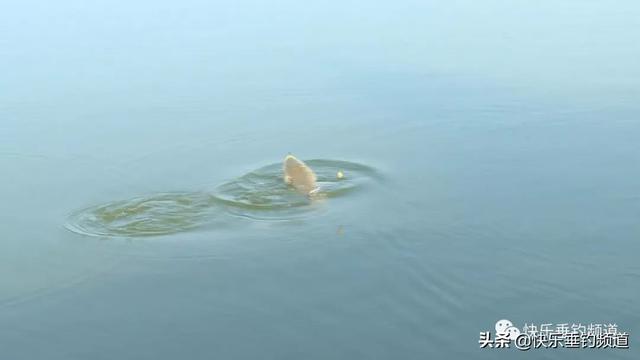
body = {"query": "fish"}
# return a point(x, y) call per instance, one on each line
point(300, 176)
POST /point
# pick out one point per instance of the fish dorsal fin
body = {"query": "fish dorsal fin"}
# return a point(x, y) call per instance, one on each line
point(299, 175)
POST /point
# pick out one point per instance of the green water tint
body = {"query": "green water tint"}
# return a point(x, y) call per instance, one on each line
point(157, 214)
point(260, 194)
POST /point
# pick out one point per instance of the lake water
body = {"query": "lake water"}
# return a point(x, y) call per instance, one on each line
point(490, 152)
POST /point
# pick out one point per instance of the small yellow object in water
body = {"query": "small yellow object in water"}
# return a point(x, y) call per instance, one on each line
point(340, 175)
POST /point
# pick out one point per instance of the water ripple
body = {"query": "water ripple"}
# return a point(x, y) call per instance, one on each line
point(157, 214)
point(260, 194)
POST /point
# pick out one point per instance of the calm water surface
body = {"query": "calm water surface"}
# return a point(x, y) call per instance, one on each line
point(490, 150)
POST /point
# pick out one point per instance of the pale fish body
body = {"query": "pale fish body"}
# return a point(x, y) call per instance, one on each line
point(299, 175)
